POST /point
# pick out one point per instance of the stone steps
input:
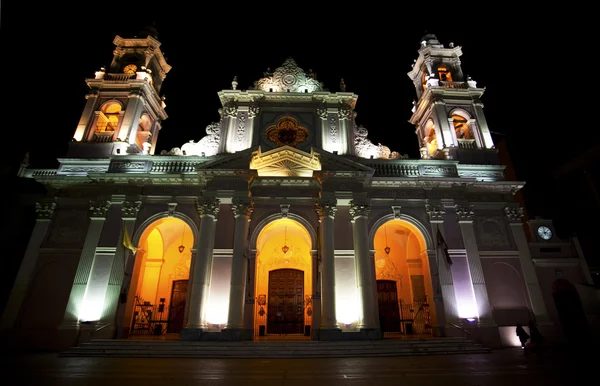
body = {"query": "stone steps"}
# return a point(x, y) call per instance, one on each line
point(275, 349)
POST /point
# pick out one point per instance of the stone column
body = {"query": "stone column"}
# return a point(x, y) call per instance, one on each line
point(75, 305)
point(316, 292)
point(465, 216)
point(26, 274)
point(534, 291)
point(364, 268)
point(235, 319)
point(249, 311)
point(326, 212)
point(118, 292)
point(446, 309)
point(202, 269)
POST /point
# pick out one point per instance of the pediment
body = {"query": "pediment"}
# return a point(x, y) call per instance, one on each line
point(285, 161)
point(235, 161)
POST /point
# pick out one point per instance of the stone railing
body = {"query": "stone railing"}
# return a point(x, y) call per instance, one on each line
point(413, 168)
point(467, 143)
point(177, 166)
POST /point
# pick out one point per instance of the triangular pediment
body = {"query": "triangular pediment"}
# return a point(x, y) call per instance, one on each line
point(285, 161)
point(235, 161)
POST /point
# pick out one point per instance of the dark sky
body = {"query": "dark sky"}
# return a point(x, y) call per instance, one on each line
point(49, 50)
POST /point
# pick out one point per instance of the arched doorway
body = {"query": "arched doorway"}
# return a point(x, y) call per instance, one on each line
point(283, 280)
point(404, 286)
point(570, 312)
point(159, 284)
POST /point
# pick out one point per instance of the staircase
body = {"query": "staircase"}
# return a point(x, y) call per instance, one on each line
point(274, 349)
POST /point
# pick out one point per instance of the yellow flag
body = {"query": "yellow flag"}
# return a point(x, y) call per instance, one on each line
point(127, 240)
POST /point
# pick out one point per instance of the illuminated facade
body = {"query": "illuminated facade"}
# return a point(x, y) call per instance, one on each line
point(283, 220)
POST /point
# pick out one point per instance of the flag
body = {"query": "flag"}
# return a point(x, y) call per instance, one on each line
point(441, 243)
point(127, 240)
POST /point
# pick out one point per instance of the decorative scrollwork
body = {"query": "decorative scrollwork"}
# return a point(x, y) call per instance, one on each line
point(359, 210)
point(130, 209)
point(242, 209)
point(464, 212)
point(514, 213)
point(99, 208)
point(209, 207)
point(326, 209)
point(435, 212)
point(44, 210)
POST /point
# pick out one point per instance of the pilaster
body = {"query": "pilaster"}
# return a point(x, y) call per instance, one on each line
point(117, 294)
point(368, 317)
point(326, 211)
point(534, 291)
point(202, 266)
point(234, 330)
point(444, 295)
point(26, 274)
point(76, 309)
point(466, 215)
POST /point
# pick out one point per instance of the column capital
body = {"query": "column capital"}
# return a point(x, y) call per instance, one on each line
point(99, 208)
point(326, 209)
point(436, 212)
point(464, 212)
point(514, 214)
point(44, 209)
point(242, 209)
point(358, 210)
point(130, 209)
point(209, 207)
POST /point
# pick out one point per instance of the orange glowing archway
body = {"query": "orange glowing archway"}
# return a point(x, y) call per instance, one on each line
point(160, 275)
point(401, 262)
point(284, 254)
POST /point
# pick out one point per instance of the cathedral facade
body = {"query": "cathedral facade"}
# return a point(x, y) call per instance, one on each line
point(283, 220)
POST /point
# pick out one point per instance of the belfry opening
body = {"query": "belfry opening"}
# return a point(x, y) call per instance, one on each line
point(404, 285)
point(156, 297)
point(283, 280)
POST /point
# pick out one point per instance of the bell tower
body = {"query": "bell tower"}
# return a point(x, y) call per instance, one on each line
point(448, 113)
point(124, 110)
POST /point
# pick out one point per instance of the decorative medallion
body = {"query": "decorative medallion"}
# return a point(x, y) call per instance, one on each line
point(289, 78)
point(287, 132)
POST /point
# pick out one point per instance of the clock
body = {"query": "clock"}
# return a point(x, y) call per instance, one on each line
point(544, 232)
point(130, 69)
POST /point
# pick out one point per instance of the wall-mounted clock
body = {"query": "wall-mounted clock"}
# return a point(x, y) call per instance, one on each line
point(130, 69)
point(544, 232)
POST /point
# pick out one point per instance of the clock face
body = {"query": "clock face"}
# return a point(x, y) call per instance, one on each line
point(130, 69)
point(545, 233)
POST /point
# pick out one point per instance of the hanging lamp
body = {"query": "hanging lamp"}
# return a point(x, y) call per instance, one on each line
point(182, 247)
point(285, 248)
point(387, 249)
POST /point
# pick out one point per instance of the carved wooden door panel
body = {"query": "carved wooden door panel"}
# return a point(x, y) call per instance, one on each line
point(177, 306)
point(389, 311)
point(285, 313)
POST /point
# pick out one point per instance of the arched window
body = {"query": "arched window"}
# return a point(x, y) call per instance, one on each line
point(143, 132)
point(461, 126)
point(429, 138)
point(444, 74)
point(108, 117)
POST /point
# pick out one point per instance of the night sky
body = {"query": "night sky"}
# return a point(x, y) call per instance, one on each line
point(49, 51)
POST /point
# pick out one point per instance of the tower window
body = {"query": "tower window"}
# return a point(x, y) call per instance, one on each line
point(108, 117)
point(444, 74)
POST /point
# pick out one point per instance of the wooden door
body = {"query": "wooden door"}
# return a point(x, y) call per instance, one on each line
point(177, 306)
point(285, 313)
point(389, 311)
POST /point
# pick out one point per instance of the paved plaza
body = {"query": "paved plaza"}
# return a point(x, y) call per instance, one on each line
point(500, 367)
